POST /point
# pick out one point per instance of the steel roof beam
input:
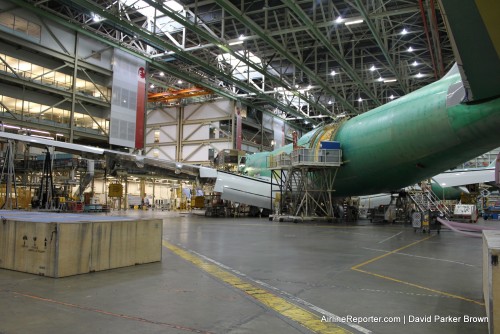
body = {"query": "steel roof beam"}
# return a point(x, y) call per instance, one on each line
point(157, 42)
point(221, 44)
point(380, 43)
point(236, 13)
point(327, 44)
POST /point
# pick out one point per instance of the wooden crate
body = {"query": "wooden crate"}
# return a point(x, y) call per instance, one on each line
point(69, 248)
point(491, 279)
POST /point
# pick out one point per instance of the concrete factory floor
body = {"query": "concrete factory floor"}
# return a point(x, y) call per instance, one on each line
point(250, 275)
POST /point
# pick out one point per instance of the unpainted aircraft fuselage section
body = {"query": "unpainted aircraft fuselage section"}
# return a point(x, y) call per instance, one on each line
point(407, 140)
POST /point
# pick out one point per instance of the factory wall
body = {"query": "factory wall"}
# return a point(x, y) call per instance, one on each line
point(53, 36)
point(192, 133)
point(38, 82)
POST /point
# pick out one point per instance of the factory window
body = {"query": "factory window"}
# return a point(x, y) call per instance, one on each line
point(156, 153)
point(211, 154)
point(225, 129)
point(157, 136)
point(211, 132)
point(18, 24)
point(53, 78)
point(43, 114)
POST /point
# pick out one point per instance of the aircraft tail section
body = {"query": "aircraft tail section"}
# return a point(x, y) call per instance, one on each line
point(475, 37)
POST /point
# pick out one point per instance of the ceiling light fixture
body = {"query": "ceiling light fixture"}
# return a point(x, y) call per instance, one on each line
point(348, 23)
point(410, 49)
point(333, 72)
point(390, 80)
point(372, 68)
point(404, 31)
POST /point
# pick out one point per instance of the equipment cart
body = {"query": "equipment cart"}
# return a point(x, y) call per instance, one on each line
point(426, 221)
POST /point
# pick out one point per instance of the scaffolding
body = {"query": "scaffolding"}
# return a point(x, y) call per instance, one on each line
point(9, 174)
point(304, 184)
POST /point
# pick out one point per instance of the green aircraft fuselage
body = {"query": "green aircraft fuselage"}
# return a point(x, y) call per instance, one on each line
point(404, 141)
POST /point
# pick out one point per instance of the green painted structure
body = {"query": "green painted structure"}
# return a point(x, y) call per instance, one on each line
point(404, 141)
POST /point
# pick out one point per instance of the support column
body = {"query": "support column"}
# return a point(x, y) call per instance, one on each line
point(180, 134)
point(125, 199)
point(73, 92)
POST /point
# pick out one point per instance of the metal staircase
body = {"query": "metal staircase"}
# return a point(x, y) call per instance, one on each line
point(425, 200)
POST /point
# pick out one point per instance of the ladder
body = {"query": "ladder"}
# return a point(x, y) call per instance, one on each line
point(425, 199)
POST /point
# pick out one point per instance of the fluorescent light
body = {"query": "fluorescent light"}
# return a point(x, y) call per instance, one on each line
point(236, 42)
point(360, 100)
point(353, 22)
point(415, 63)
point(333, 72)
point(162, 74)
point(339, 19)
point(39, 131)
point(404, 31)
point(96, 17)
point(11, 126)
point(390, 80)
point(372, 68)
point(419, 75)
point(410, 49)
point(391, 97)
point(241, 37)
point(44, 137)
point(380, 79)
point(330, 102)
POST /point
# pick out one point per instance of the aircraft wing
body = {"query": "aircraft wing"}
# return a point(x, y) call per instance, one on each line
point(133, 163)
point(81, 150)
point(239, 188)
point(464, 177)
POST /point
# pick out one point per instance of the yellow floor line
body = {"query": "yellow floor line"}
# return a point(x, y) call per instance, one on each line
point(389, 253)
point(278, 304)
point(356, 268)
point(420, 287)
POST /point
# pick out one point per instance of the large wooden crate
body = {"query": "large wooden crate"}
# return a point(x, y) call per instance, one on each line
point(491, 279)
point(59, 249)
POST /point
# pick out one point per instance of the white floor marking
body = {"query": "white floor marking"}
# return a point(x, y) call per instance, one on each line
point(281, 292)
point(395, 235)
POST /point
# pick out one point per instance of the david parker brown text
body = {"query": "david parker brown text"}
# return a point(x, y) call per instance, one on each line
point(406, 319)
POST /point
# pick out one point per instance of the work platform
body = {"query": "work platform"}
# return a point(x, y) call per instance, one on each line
point(304, 184)
point(59, 245)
